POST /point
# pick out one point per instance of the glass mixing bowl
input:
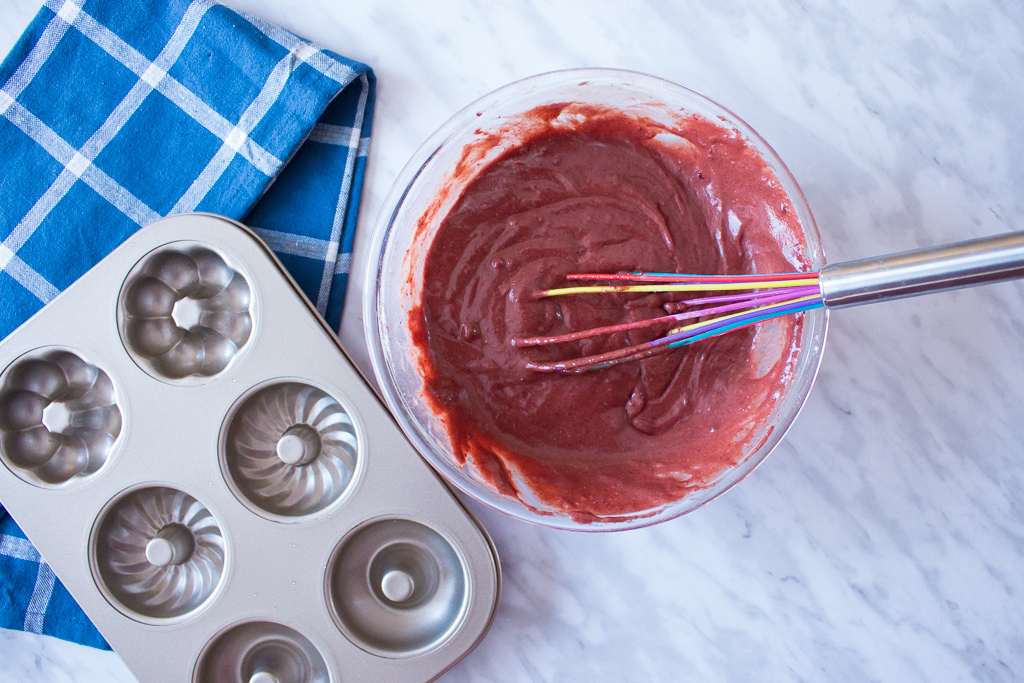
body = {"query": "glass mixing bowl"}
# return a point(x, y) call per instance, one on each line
point(428, 187)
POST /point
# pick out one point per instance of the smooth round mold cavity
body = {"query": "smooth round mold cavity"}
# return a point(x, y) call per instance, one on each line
point(397, 588)
point(185, 313)
point(59, 418)
point(159, 552)
point(290, 450)
point(261, 652)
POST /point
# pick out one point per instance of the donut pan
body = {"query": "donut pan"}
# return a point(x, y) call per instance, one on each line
point(204, 469)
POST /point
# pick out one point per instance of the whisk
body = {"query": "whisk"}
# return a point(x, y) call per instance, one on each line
point(751, 299)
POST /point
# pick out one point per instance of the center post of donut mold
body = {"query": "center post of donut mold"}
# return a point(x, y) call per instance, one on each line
point(186, 313)
point(56, 417)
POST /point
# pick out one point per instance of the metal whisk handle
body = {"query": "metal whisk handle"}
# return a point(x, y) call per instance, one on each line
point(923, 271)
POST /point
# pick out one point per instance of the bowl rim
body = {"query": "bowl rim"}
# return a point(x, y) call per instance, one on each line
point(372, 324)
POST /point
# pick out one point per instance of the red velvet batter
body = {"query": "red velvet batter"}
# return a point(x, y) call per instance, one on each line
point(609, 193)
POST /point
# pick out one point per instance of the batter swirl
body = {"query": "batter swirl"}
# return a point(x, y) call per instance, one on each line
point(608, 193)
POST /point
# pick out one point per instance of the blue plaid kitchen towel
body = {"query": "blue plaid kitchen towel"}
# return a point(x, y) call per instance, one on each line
point(114, 114)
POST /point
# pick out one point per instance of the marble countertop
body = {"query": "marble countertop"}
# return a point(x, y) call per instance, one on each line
point(884, 539)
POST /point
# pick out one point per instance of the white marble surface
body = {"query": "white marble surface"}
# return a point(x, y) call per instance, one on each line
point(884, 540)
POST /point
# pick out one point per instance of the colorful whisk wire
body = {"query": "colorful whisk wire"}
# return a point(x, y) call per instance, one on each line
point(750, 299)
point(758, 298)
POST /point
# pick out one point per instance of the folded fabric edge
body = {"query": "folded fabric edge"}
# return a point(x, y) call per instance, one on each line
point(334, 251)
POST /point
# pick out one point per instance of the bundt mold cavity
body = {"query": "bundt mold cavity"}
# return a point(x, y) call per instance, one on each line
point(186, 313)
point(159, 552)
point(290, 450)
point(59, 418)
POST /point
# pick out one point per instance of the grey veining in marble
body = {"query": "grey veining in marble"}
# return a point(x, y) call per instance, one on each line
point(884, 540)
